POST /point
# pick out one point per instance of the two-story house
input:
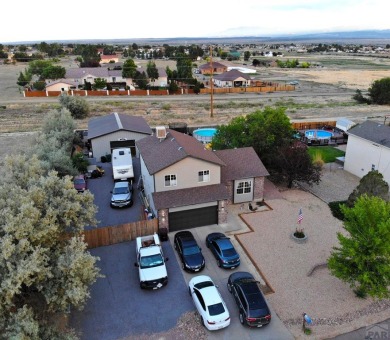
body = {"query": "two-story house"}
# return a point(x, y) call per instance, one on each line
point(187, 185)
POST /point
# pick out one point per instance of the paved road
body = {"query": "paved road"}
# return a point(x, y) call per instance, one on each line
point(380, 331)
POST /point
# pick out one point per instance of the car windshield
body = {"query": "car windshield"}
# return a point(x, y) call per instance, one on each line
point(191, 250)
point(216, 309)
point(229, 252)
point(79, 181)
point(204, 284)
point(151, 261)
point(120, 191)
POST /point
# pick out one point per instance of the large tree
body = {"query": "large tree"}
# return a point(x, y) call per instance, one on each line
point(129, 68)
point(265, 131)
point(77, 106)
point(363, 257)
point(379, 91)
point(293, 163)
point(152, 71)
point(53, 72)
point(44, 265)
point(184, 68)
point(372, 184)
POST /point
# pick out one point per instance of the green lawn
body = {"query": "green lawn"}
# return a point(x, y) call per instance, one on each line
point(328, 153)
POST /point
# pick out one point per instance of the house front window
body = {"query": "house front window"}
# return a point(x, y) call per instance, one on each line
point(170, 181)
point(204, 176)
point(244, 188)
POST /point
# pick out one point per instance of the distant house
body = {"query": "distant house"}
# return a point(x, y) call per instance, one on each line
point(161, 81)
point(104, 59)
point(61, 85)
point(232, 78)
point(89, 74)
point(213, 67)
point(368, 149)
point(187, 185)
point(116, 131)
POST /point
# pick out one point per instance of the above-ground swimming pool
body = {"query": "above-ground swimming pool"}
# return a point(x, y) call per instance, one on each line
point(318, 134)
point(204, 135)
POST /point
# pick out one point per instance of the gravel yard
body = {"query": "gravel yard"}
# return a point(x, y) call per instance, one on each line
point(286, 264)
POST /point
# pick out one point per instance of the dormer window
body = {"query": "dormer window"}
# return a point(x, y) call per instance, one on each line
point(204, 176)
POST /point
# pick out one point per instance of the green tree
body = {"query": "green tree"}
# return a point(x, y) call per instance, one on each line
point(39, 85)
point(24, 78)
point(53, 72)
point(265, 131)
point(44, 265)
point(129, 68)
point(247, 55)
point(184, 68)
point(371, 184)
point(293, 163)
point(379, 91)
point(99, 83)
point(141, 80)
point(358, 96)
point(363, 257)
point(77, 106)
point(37, 67)
point(152, 71)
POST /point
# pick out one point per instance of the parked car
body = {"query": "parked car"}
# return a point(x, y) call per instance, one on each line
point(252, 306)
point(80, 183)
point(223, 250)
point(122, 195)
point(190, 253)
point(209, 303)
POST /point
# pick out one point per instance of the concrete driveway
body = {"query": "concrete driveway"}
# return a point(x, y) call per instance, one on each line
point(119, 308)
point(275, 330)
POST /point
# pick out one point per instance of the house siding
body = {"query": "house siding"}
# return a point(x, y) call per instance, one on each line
point(374, 154)
point(259, 188)
point(148, 183)
point(186, 172)
point(101, 145)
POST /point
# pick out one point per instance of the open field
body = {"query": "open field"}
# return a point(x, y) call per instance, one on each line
point(324, 92)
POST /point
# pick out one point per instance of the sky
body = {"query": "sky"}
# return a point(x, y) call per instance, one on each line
point(44, 20)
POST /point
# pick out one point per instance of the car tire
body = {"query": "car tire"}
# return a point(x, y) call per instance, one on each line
point(241, 317)
point(219, 263)
point(183, 266)
point(175, 246)
point(189, 291)
point(202, 321)
point(229, 287)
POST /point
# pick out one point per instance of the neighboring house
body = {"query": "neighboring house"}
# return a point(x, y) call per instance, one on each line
point(368, 148)
point(213, 67)
point(187, 185)
point(232, 78)
point(116, 131)
point(89, 74)
point(104, 59)
point(61, 85)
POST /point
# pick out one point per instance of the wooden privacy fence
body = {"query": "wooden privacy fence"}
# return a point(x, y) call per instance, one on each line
point(313, 125)
point(122, 233)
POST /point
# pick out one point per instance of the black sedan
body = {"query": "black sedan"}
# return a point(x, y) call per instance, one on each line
point(223, 250)
point(190, 254)
point(252, 306)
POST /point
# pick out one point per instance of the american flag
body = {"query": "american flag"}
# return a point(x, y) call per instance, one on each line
point(300, 216)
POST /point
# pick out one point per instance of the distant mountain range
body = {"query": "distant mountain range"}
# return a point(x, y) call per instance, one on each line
point(380, 36)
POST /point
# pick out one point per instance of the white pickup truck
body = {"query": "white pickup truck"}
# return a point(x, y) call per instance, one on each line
point(151, 262)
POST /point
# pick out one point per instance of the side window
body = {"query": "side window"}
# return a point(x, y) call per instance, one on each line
point(218, 250)
point(200, 298)
point(242, 298)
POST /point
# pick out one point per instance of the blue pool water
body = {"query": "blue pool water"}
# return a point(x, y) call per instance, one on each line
point(204, 135)
point(318, 134)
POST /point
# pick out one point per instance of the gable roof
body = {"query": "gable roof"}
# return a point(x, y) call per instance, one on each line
point(241, 163)
point(214, 65)
point(64, 81)
point(115, 122)
point(77, 73)
point(373, 132)
point(158, 155)
point(231, 75)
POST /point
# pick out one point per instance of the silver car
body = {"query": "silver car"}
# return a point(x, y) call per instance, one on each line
point(122, 195)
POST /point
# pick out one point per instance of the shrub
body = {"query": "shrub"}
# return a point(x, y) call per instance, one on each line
point(335, 207)
point(77, 106)
point(318, 160)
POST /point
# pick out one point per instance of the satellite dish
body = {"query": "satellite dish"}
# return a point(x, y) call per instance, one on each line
point(308, 319)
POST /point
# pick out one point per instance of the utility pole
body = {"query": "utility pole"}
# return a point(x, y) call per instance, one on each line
point(211, 83)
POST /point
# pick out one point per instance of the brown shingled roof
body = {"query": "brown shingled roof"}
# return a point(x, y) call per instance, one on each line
point(158, 155)
point(241, 163)
point(183, 197)
point(232, 75)
point(214, 65)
